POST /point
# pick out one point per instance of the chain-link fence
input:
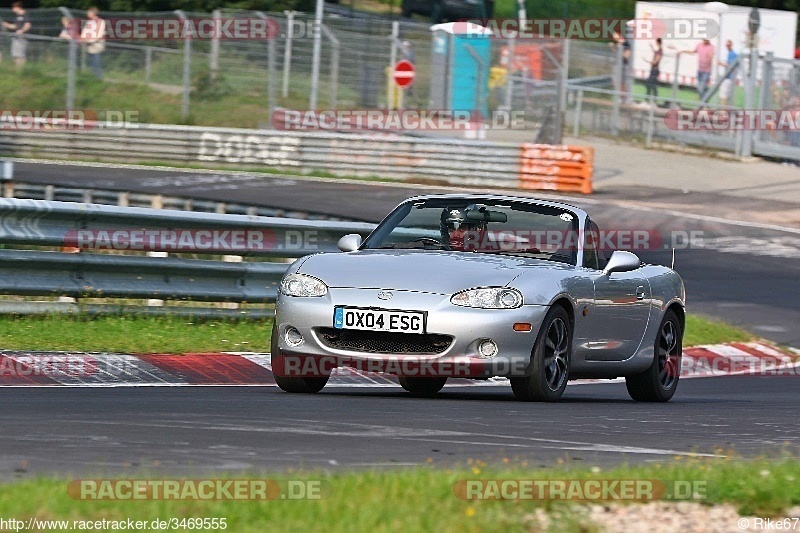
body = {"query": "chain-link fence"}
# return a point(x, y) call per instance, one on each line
point(577, 86)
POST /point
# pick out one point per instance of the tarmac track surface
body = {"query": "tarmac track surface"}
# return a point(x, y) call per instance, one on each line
point(199, 431)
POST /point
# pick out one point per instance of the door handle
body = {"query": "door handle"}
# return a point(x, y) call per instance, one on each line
point(640, 293)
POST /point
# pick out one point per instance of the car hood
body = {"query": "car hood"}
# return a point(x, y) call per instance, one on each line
point(416, 270)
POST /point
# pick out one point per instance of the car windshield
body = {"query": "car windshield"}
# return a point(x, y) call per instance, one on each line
point(480, 226)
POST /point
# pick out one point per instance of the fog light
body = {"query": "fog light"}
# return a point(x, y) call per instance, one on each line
point(293, 337)
point(487, 348)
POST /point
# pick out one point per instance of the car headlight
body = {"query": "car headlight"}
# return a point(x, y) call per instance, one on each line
point(302, 285)
point(489, 298)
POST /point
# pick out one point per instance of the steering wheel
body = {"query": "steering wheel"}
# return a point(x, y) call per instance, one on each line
point(431, 241)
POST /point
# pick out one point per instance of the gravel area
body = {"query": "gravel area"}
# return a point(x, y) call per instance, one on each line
point(668, 517)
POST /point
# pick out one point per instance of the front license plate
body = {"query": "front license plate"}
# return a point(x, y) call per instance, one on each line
point(379, 320)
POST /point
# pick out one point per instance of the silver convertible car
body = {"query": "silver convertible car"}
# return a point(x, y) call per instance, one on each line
point(480, 286)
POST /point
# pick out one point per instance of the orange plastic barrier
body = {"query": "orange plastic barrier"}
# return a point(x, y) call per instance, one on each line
point(556, 167)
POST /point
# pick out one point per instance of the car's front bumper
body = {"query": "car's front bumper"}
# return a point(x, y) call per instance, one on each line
point(466, 326)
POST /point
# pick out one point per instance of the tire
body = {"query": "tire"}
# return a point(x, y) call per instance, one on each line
point(292, 384)
point(422, 386)
point(659, 382)
point(550, 360)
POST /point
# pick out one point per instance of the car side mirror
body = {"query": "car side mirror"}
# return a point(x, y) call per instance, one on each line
point(350, 242)
point(622, 262)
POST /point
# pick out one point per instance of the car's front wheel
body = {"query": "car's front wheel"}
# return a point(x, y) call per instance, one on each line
point(550, 360)
point(422, 386)
point(658, 383)
point(291, 383)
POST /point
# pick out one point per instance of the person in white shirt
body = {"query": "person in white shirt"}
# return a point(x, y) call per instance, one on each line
point(94, 37)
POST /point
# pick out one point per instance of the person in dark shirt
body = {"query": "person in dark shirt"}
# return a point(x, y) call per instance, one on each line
point(652, 79)
point(20, 26)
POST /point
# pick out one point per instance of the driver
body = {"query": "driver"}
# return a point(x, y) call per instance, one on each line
point(462, 232)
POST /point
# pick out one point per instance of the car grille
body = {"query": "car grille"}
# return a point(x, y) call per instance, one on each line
point(384, 342)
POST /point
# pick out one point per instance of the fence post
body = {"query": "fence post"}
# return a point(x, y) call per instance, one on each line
point(287, 52)
point(334, 67)
point(393, 98)
point(72, 58)
point(749, 97)
point(509, 96)
point(766, 84)
point(213, 58)
point(270, 65)
point(148, 63)
point(675, 79)
point(315, 56)
point(564, 74)
point(651, 115)
point(619, 73)
point(187, 66)
point(576, 125)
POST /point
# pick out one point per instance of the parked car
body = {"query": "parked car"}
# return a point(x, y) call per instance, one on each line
point(442, 10)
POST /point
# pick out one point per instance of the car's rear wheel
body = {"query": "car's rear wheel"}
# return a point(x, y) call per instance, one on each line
point(658, 383)
point(291, 383)
point(550, 359)
point(423, 386)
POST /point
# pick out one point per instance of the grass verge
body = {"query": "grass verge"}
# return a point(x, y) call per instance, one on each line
point(133, 334)
point(171, 334)
point(423, 499)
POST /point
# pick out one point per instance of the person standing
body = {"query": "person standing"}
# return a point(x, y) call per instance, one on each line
point(652, 79)
point(94, 36)
point(21, 26)
point(705, 59)
point(726, 89)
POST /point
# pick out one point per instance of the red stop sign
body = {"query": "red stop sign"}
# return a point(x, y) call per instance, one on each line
point(404, 73)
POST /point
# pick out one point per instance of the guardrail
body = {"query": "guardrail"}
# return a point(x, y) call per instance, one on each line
point(385, 155)
point(121, 198)
point(132, 229)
